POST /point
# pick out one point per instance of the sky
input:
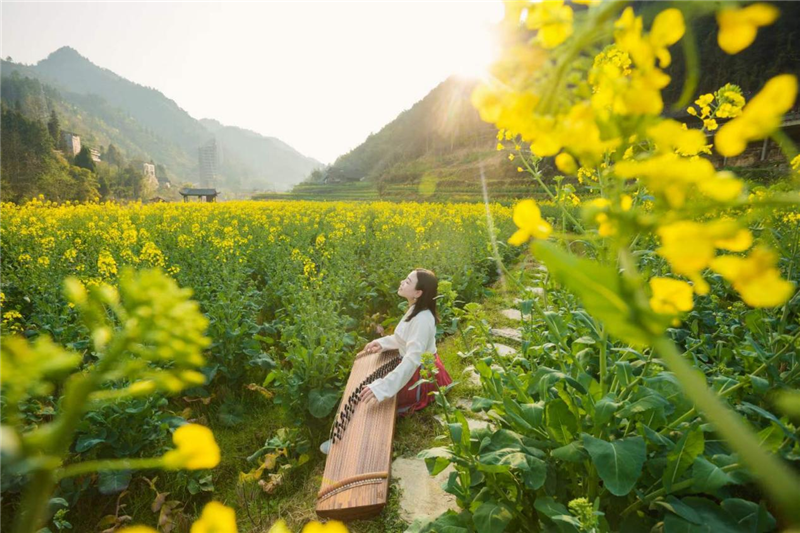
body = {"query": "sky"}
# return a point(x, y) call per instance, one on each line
point(321, 76)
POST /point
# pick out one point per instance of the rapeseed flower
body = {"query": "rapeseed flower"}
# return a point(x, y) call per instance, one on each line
point(528, 219)
point(738, 27)
point(196, 449)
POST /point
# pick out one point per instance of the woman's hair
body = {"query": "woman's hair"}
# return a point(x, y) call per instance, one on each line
point(429, 285)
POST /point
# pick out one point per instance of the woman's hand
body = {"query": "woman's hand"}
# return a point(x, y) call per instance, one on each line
point(372, 347)
point(367, 395)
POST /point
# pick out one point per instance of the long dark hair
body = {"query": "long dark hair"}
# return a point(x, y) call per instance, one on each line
point(429, 285)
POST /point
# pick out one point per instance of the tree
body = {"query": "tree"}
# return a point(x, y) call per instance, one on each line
point(27, 156)
point(84, 159)
point(114, 157)
point(54, 127)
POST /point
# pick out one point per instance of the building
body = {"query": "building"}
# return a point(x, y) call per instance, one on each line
point(208, 159)
point(209, 195)
point(150, 179)
point(95, 154)
point(71, 142)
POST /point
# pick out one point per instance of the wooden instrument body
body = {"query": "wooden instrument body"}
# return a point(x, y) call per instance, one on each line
point(355, 484)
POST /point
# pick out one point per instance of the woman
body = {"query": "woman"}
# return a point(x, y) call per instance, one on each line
point(414, 335)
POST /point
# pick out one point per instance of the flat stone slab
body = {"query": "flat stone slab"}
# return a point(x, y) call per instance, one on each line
point(507, 333)
point(472, 376)
point(514, 314)
point(421, 494)
point(504, 350)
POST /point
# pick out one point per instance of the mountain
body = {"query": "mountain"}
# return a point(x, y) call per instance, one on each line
point(272, 157)
point(436, 150)
point(146, 124)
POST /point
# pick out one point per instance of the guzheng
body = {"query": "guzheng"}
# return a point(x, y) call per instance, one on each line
point(356, 479)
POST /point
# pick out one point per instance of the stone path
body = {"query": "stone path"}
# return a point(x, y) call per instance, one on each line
point(422, 495)
point(513, 334)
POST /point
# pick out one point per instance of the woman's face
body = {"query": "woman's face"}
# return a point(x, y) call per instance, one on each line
point(408, 286)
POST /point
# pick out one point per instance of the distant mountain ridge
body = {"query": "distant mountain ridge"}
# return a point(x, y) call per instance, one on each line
point(249, 160)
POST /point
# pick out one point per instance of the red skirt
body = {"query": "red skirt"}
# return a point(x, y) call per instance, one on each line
point(410, 400)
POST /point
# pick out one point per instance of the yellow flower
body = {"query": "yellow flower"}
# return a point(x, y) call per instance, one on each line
point(738, 27)
point(760, 117)
point(710, 124)
point(196, 449)
point(692, 111)
point(529, 220)
point(626, 202)
point(332, 526)
point(519, 169)
point(689, 247)
point(796, 163)
point(668, 27)
point(704, 100)
point(566, 163)
point(755, 278)
point(553, 20)
point(670, 296)
point(216, 518)
point(279, 527)
point(670, 136)
point(138, 529)
point(510, 157)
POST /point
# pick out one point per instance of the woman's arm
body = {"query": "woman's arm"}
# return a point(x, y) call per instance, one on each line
point(389, 342)
point(420, 330)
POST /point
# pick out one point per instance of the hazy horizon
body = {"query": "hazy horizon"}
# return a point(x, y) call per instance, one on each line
point(280, 69)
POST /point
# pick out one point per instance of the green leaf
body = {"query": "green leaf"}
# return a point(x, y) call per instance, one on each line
point(481, 404)
point(712, 518)
point(491, 517)
point(322, 401)
point(113, 482)
point(708, 477)
point(536, 474)
point(751, 517)
point(619, 463)
point(436, 459)
point(681, 457)
point(600, 288)
point(605, 408)
point(86, 442)
point(561, 422)
point(646, 403)
point(573, 452)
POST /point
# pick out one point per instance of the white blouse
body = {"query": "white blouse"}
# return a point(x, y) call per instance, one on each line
point(412, 339)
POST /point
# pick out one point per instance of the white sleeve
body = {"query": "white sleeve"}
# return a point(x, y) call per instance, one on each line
point(389, 342)
point(420, 330)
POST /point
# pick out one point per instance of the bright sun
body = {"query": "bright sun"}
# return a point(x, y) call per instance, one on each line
point(474, 55)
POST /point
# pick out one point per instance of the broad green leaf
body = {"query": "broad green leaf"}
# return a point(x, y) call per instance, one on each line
point(619, 463)
point(86, 442)
point(708, 477)
point(549, 508)
point(681, 457)
point(491, 517)
point(322, 401)
point(536, 474)
point(561, 422)
point(113, 482)
point(481, 404)
point(571, 453)
point(750, 516)
point(713, 519)
point(605, 408)
point(600, 288)
point(436, 459)
point(645, 403)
